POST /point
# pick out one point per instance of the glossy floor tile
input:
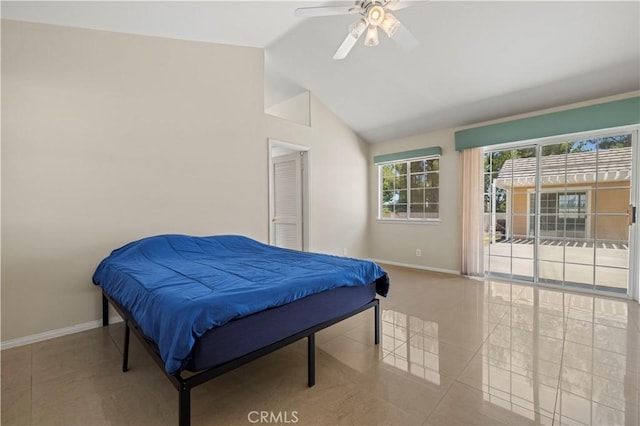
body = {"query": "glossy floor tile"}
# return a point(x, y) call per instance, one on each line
point(453, 351)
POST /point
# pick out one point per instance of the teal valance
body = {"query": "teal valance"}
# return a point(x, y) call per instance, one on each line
point(594, 117)
point(407, 155)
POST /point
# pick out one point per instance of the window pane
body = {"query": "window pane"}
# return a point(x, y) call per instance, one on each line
point(431, 195)
point(431, 207)
point(387, 183)
point(396, 211)
point(432, 180)
point(532, 202)
point(418, 181)
point(612, 227)
point(572, 204)
point(402, 197)
point(613, 142)
point(417, 196)
point(580, 275)
point(433, 165)
point(401, 168)
point(400, 211)
point(548, 225)
point(418, 166)
point(501, 200)
point(557, 149)
point(612, 279)
point(549, 203)
point(417, 207)
point(417, 211)
point(608, 200)
point(388, 170)
point(401, 182)
point(390, 197)
point(487, 203)
point(487, 182)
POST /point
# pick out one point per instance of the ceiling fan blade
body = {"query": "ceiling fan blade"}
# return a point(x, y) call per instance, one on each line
point(308, 12)
point(345, 47)
point(405, 39)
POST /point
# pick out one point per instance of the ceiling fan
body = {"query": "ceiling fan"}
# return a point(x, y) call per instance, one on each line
point(374, 14)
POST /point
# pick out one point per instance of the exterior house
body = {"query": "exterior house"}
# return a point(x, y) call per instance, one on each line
point(583, 195)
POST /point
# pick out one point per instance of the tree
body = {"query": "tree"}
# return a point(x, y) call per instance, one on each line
point(493, 164)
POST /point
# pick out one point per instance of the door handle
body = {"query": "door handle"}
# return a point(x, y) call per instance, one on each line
point(631, 214)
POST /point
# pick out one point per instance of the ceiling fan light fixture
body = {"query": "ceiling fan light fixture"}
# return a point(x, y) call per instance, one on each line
point(357, 28)
point(390, 24)
point(371, 14)
point(372, 37)
point(375, 15)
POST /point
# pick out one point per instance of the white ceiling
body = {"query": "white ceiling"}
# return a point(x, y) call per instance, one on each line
point(476, 60)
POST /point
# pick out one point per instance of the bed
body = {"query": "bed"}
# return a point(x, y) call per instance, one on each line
point(203, 306)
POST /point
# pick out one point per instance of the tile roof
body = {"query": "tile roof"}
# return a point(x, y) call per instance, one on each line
point(580, 167)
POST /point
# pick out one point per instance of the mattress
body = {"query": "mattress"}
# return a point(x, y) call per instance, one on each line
point(178, 287)
point(245, 335)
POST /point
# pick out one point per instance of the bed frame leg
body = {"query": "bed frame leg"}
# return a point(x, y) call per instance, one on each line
point(311, 359)
point(184, 408)
point(105, 311)
point(125, 354)
point(377, 325)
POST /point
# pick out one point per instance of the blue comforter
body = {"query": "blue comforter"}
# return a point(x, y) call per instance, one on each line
point(177, 287)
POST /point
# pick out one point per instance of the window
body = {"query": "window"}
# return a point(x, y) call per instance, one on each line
point(562, 214)
point(410, 190)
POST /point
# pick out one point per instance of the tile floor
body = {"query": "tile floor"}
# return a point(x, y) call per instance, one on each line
point(454, 352)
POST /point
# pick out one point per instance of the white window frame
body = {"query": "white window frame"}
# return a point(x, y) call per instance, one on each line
point(408, 219)
point(586, 189)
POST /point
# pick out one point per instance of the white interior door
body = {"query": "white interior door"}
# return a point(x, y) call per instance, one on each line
point(286, 215)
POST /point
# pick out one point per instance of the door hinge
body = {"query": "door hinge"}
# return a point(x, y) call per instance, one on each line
point(631, 213)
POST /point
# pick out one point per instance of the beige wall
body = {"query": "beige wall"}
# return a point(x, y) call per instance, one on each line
point(107, 138)
point(610, 198)
point(439, 242)
point(296, 109)
point(520, 203)
point(339, 180)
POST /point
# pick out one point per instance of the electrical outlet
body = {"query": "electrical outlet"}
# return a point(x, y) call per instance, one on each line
point(418, 252)
point(344, 251)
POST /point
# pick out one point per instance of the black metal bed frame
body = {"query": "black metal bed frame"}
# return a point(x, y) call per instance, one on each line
point(185, 384)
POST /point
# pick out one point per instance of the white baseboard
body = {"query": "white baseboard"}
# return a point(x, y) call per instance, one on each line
point(21, 341)
point(424, 268)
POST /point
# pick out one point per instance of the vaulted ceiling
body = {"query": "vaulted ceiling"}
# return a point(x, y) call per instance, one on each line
point(476, 60)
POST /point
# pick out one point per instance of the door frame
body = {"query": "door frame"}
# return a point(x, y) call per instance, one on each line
point(634, 234)
point(305, 152)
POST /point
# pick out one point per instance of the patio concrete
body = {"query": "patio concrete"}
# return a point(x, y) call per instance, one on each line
point(610, 270)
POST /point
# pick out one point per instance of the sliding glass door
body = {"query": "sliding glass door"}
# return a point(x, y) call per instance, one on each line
point(559, 212)
point(508, 244)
